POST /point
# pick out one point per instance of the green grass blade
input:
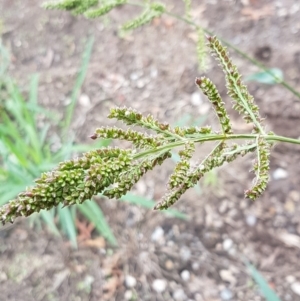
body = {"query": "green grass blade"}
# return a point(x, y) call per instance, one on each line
point(149, 204)
point(48, 218)
point(33, 92)
point(4, 58)
point(267, 292)
point(68, 224)
point(9, 192)
point(79, 81)
point(94, 214)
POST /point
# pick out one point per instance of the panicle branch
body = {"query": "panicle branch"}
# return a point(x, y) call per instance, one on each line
point(114, 171)
point(210, 90)
point(261, 168)
point(243, 101)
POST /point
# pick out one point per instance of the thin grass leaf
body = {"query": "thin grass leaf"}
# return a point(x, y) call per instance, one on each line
point(268, 293)
point(68, 225)
point(47, 216)
point(15, 150)
point(53, 116)
point(43, 134)
point(10, 192)
point(149, 204)
point(270, 76)
point(78, 84)
point(95, 215)
point(4, 58)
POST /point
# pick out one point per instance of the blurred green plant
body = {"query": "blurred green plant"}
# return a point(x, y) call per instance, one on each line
point(270, 77)
point(263, 285)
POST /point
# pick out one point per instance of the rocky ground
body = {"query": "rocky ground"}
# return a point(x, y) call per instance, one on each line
point(153, 70)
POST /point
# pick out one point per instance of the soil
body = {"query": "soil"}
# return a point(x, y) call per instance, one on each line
point(153, 70)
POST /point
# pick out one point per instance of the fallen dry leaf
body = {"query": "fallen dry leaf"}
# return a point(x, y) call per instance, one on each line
point(85, 230)
point(98, 242)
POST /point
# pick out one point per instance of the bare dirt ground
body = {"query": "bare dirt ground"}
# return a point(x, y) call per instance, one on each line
point(153, 70)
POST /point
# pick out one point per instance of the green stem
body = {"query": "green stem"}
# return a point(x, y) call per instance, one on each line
point(228, 44)
point(215, 137)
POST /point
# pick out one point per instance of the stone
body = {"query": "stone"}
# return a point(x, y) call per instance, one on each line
point(226, 294)
point(128, 295)
point(196, 99)
point(227, 276)
point(157, 234)
point(159, 285)
point(130, 281)
point(185, 253)
point(251, 220)
point(84, 100)
point(227, 244)
point(185, 275)
point(280, 174)
point(290, 278)
point(295, 287)
point(179, 295)
point(169, 265)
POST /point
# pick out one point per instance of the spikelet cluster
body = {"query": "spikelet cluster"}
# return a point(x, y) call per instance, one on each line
point(88, 8)
point(139, 140)
point(210, 90)
point(261, 168)
point(114, 171)
point(243, 101)
point(153, 10)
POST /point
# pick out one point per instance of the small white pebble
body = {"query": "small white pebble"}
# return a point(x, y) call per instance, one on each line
point(279, 174)
point(130, 281)
point(185, 275)
point(226, 294)
point(157, 234)
point(196, 99)
point(195, 266)
point(179, 295)
point(159, 285)
point(84, 100)
point(227, 244)
point(185, 253)
point(290, 278)
point(295, 287)
point(128, 295)
point(251, 220)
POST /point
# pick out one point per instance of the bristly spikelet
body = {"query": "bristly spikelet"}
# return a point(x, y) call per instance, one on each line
point(126, 181)
point(243, 101)
point(103, 10)
point(84, 6)
point(65, 4)
point(201, 50)
point(132, 117)
point(78, 7)
point(182, 167)
point(140, 140)
point(210, 90)
point(191, 178)
point(154, 10)
point(192, 131)
point(261, 169)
